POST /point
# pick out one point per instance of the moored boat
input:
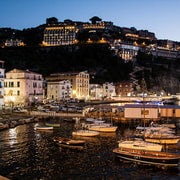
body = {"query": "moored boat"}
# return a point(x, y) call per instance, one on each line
point(56, 125)
point(140, 144)
point(68, 141)
point(86, 133)
point(160, 159)
point(43, 128)
point(163, 139)
point(102, 128)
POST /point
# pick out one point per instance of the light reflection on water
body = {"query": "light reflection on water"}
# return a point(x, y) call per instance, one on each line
point(28, 153)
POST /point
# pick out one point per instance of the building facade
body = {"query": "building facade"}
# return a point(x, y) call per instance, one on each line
point(96, 92)
point(22, 88)
point(59, 35)
point(1, 83)
point(60, 90)
point(124, 89)
point(108, 90)
point(79, 82)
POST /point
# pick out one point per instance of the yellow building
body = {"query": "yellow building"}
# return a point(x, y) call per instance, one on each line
point(22, 87)
point(79, 81)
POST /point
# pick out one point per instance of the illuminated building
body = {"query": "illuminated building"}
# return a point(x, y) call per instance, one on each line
point(22, 87)
point(124, 89)
point(13, 42)
point(59, 35)
point(59, 90)
point(1, 83)
point(79, 81)
point(124, 50)
point(96, 91)
point(108, 90)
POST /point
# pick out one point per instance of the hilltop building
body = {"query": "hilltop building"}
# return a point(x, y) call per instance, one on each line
point(59, 35)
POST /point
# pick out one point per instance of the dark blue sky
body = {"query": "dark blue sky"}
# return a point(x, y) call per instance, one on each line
point(159, 16)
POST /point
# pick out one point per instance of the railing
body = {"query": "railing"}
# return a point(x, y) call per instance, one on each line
point(55, 114)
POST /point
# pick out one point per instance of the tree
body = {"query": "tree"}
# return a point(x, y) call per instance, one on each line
point(52, 20)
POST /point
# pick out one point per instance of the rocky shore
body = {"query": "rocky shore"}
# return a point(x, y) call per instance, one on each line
point(11, 121)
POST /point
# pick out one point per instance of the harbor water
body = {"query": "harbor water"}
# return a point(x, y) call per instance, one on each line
point(28, 154)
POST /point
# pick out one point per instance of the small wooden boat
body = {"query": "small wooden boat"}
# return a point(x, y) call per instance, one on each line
point(159, 159)
point(55, 125)
point(71, 147)
point(68, 141)
point(86, 133)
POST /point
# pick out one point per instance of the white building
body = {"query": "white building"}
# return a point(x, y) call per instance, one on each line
point(1, 83)
point(59, 90)
point(22, 87)
point(79, 81)
point(138, 111)
point(13, 42)
point(96, 91)
point(108, 90)
point(124, 50)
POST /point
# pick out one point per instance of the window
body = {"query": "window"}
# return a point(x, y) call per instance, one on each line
point(18, 84)
point(18, 93)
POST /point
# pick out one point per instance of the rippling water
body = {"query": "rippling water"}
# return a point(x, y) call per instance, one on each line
point(28, 154)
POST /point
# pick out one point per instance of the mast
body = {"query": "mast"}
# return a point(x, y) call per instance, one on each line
point(144, 89)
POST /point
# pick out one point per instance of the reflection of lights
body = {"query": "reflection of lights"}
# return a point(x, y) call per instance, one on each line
point(12, 136)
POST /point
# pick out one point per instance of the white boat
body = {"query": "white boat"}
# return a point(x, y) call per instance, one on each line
point(161, 136)
point(102, 128)
point(140, 144)
point(43, 128)
point(86, 133)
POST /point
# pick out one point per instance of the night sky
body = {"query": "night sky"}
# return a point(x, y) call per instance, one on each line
point(158, 16)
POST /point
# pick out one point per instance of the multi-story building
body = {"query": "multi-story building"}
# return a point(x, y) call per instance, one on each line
point(62, 34)
point(124, 89)
point(22, 88)
point(96, 91)
point(13, 42)
point(108, 90)
point(1, 83)
point(59, 90)
point(79, 81)
point(124, 50)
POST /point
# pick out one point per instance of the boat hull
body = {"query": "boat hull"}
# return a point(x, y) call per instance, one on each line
point(163, 140)
point(43, 128)
point(140, 145)
point(103, 129)
point(160, 159)
point(67, 141)
point(85, 133)
point(52, 125)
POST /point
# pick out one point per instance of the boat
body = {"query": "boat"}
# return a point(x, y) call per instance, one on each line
point(162, 139)
point(102, 128)
point(71, 146)
point(159, 159)
point(161, 136)
point(43, 128)
point(55, 125)
point(86, 133)
point(68, 141)
point(140, 144)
